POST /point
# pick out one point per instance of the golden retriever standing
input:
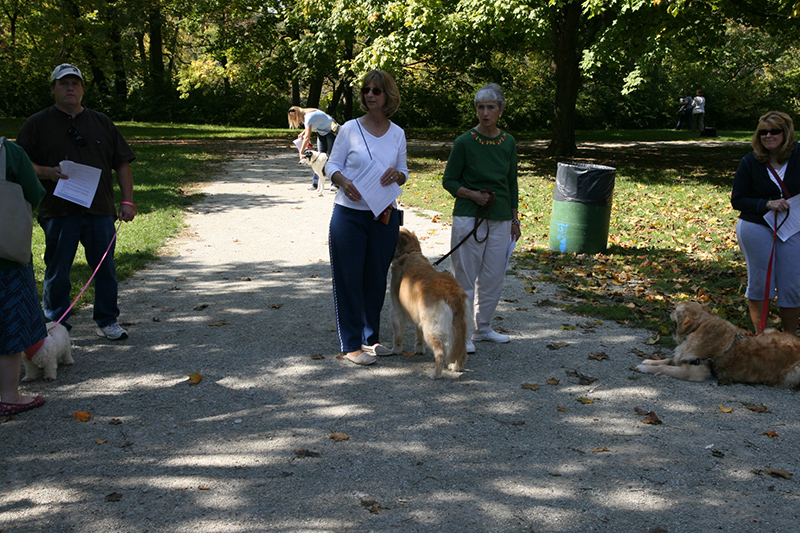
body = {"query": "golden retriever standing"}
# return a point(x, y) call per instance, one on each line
point(433, 301)
point(711, 346)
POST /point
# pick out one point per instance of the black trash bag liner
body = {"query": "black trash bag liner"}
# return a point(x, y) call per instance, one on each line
point(584, 183)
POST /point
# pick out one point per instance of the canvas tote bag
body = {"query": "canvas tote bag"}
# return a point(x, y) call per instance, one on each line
point(16, 217)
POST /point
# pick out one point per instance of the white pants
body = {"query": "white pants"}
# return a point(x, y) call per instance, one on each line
point(480, 267)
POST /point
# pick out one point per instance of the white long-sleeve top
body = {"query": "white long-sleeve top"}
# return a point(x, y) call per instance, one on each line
point(352, 153)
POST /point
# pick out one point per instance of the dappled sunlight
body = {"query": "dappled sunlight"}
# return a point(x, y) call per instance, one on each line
point(621, 500)
point(521, 489)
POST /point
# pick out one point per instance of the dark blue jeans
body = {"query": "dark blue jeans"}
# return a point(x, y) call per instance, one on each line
point(361, 251)
point(62, 235)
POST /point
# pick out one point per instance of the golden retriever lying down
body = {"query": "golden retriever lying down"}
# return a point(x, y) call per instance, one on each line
point(433, 301)
point(711, 346)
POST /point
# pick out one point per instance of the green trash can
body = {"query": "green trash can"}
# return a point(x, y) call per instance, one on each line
point(581, 208)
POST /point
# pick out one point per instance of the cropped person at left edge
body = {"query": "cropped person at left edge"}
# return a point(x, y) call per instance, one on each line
point(69, 131)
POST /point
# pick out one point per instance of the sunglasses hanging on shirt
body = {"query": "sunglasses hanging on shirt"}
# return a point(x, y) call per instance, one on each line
point(75, 134)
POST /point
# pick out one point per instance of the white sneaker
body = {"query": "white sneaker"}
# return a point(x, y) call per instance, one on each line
point(378, 349)
point(470, 347)
point(113, 332)
point(492, 336)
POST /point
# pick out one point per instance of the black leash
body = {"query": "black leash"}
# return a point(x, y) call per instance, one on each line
point(480, 217)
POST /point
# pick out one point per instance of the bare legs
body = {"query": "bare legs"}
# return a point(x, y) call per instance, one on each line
point(789, 316)
point(9, 379)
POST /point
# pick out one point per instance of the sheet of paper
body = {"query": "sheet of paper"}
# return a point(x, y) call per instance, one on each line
point(377, 196)
point(81, 186)
point(792, 224)
point(512, 243)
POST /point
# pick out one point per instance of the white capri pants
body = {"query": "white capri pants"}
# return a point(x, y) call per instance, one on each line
point(755, 241)
point(480, 267)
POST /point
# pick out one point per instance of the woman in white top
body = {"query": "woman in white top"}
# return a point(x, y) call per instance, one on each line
point(310, 118)
point(362, 245)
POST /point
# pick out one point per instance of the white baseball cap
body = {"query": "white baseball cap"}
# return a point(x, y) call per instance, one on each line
point(65, 69)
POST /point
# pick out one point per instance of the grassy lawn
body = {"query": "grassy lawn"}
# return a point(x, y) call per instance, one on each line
point(671, 235)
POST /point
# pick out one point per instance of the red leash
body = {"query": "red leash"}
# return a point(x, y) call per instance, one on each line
point(765, 308)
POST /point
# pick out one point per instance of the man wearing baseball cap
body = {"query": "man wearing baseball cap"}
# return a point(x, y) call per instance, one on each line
point(67, 131)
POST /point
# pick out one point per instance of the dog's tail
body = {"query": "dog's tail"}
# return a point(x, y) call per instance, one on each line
point(461, 320)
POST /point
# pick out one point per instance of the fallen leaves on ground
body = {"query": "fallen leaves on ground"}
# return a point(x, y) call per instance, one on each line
point(373, 506)
point(652, 418)
point(218, 323)
point(195, 378)
point(584, 400)
point(339, 437)
point(583, 379)
point(779, 473)
point(317, 356)
point(771, 433)
point(82, 416)
point(115, 421)
point(101, 441)
point(725, 409)
point(599, 356)
point(302, 453)
point(557, 345)
point(758, 408)
point(275, 306)
point(530, 386)
point(113, 497)
point(552, 381)
point(600, 449)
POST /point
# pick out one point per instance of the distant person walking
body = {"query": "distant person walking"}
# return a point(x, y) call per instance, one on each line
point(698, 112)
point(312, 119)
point(685, 112)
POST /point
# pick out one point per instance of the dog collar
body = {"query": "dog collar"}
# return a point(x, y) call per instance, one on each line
point(30, 352)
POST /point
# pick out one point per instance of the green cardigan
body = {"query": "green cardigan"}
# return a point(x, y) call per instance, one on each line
point(479, 163)
point(20, 170)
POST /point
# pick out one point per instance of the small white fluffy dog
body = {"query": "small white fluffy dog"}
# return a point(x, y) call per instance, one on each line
point(317, 161)
point(57, 348)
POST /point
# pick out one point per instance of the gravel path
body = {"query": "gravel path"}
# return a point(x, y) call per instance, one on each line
point(280, 435)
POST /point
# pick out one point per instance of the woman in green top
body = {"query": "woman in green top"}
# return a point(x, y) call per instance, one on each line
point(482, 174)
point(21, 318)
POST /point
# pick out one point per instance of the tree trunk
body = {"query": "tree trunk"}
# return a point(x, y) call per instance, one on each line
point(314, 92)
point(347, 108)
point(156, 50)
point(568, 79)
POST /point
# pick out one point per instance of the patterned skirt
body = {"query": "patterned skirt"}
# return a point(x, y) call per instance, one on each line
point(22, 322)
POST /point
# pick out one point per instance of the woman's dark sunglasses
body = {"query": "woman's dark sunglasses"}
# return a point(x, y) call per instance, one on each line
point(375, 90)
point(774, 132)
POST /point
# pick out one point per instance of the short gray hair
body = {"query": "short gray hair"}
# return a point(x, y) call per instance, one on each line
point(490, 92)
